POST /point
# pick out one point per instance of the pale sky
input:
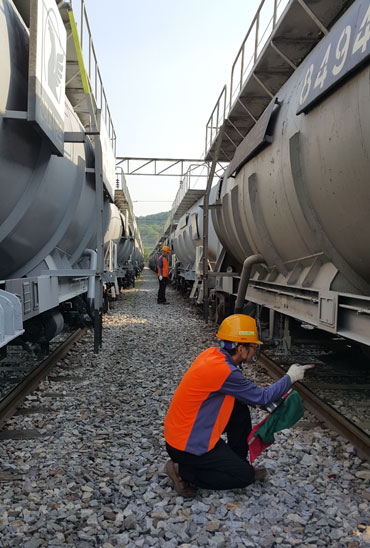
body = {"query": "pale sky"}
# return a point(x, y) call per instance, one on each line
point(164, 64)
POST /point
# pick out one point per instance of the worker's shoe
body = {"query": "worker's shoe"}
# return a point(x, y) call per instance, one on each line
point(181, 486)
point(260, 474)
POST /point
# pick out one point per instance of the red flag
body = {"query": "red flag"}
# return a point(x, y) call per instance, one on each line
point(287, 412)
point(256, 445)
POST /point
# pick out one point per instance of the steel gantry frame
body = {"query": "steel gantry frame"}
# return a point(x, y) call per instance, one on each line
point(166, 167)
point(187, 169)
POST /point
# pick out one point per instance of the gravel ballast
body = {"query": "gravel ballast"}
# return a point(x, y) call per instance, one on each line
point(94, 476)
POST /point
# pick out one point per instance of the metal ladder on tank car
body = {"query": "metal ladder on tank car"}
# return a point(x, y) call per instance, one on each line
point(196, 294)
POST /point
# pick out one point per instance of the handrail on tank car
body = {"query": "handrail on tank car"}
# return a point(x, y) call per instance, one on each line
point(95, 79)
point(211, 129)
point(241, 53)
point(121, 184)
point(214, 125)
point(185, 183)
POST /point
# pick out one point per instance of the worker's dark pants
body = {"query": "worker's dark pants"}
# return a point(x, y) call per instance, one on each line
point(162, 290)
point(225, 466)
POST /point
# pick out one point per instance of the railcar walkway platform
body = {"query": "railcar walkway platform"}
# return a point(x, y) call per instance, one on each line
point(301, 26)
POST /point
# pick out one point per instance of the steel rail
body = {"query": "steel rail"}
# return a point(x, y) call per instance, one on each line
point(14, 399)
point(324, 412)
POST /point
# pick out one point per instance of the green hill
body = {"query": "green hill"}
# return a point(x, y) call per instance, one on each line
point(151, 226)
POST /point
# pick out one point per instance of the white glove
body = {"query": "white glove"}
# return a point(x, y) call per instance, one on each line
point(160, 278)
point(296, 371)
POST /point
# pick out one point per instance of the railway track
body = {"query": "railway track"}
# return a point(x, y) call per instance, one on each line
point(324, 412)
point(321, 409)
point(103, 453)
point(12, 401)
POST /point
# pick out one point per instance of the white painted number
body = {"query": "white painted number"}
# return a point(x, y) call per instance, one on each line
point(364, 34)
point(341, 54)
point(342, 51)
point(322, 74)
point(306, 85)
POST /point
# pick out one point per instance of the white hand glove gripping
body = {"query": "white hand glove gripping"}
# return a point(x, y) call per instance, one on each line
point(296, 371)
point(160, 278)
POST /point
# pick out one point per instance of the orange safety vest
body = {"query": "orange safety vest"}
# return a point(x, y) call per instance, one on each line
point(162, 266)
point(204, 400)
point(198, 413)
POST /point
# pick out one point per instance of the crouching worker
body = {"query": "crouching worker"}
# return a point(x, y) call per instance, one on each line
point(213, 398)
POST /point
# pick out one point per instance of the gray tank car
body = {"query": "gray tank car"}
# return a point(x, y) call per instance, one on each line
point(123, 251)
point(292, 211)
point(126, 245)
point(46, 200)
point(297, 213)
point(130, 257)
point(185, 240)
point(138, 257)
point(188, 237)
point(153, 257)
point(48, 208)
point(115, 228)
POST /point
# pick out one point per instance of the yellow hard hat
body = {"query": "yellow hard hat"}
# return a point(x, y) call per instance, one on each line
point(166, 248)
point(239, 328)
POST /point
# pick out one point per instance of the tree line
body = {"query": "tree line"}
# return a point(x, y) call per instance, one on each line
point(151, 227)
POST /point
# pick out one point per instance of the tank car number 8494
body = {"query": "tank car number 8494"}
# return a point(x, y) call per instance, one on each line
point(345, 49)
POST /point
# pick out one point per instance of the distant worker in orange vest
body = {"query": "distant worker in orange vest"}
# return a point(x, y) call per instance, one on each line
point(213, 398)
point(162, 271)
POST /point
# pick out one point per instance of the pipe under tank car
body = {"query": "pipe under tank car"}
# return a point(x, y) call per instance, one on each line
point(47, 210)
point(303, 202)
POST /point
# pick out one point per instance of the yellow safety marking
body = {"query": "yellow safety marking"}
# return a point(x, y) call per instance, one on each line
point(246, 332)
point(76, 40)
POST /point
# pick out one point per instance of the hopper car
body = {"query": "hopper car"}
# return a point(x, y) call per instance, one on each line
point(49, 228)
point(291, 212)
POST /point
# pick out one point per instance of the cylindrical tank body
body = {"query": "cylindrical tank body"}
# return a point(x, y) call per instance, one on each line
point(115, 227)
point(153, 257)
point(308, 192)
point(138, 256)
point(189, 234)
point(125, 245)
point(47, 201)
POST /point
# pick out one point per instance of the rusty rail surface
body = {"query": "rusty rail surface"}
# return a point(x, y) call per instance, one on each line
point(14, 399)
point(324, 412)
